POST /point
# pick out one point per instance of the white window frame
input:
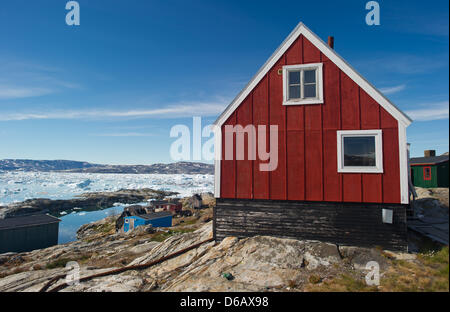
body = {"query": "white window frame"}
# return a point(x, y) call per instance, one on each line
point(378, 168)
point(319, 84)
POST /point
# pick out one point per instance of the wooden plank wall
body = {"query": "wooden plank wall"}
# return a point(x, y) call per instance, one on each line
point(307, 151)
point(340, 223)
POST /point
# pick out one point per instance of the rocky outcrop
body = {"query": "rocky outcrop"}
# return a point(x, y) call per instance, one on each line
point(432, 202)
point(87, 201)
point(99, 228)
point(258, 263)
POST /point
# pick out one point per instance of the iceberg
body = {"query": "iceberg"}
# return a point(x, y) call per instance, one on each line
point(63, 185)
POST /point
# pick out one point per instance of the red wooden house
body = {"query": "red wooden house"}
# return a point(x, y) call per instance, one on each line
point(341, 170)
point(174, 206)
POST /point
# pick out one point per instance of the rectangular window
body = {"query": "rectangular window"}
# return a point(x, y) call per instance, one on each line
point(302, 84)
point(427, 173)
point(360, 151)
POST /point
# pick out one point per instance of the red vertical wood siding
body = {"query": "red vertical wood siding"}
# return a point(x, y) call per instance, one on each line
point(295, 135)
point(261, 117)
point(277, 117)
point(307, 139)
point(331, 115)
point(313, 135)
point(372, 183)
point(391, 191)
point(351, 182)
point(244, 167)
point(227, 177)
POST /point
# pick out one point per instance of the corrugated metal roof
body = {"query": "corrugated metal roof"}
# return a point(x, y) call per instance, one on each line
point(29, 220)
point(155, 215)
point(428, 160)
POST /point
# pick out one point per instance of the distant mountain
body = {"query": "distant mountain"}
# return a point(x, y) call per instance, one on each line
point(79, 166)
point(42, 165)
point(173, 168)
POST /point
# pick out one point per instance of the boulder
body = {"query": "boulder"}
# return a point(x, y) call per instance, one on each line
point(359, 256)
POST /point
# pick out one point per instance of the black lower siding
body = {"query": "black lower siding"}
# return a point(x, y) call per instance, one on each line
point(357, 224)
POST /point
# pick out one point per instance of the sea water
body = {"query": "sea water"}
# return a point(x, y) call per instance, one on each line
point(20, 186)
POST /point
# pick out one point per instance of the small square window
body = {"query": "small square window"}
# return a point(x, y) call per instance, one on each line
point(360, 151)
point(294, 92)
point(294, 77)
point(310, 76)
point(302, 84)
point(309, 91)
point(427, 173)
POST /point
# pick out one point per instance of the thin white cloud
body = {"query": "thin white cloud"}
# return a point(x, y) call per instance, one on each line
point(392, 90)
point(19, 79)
point(171, 111)
point(434, 111)
point(12, 92)
point(403, 63)
point(124, 134)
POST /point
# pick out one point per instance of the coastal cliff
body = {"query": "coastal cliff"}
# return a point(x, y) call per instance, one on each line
point(86, 201)
point(258, 263)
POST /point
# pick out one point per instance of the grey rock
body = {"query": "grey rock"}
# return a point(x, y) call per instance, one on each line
point(359, 256)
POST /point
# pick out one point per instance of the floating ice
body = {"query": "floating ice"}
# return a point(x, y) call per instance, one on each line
point(56, 185)
point(84, 184)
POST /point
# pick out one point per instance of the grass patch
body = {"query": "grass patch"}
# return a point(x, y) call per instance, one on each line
point(314, 279)
point(189, 222)
point(162, 236)
point(105, 228)
point(432, 258)
point(343, 283)
point(429, 273)
point(61, 262)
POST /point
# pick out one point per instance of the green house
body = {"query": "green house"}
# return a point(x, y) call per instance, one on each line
point(30, 232)
point(429, 171)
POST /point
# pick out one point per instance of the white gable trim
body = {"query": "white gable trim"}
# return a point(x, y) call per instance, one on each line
point(301, 29)
point(217, 158)
point(403, 158)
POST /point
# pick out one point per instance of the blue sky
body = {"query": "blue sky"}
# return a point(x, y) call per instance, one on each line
point(109, 90)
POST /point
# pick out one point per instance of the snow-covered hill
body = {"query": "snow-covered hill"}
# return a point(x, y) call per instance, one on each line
point(28, 165)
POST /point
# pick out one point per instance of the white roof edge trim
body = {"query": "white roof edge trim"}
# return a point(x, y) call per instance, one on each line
point(301, 29)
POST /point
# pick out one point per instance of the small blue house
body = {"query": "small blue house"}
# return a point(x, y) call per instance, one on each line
point(156, 219)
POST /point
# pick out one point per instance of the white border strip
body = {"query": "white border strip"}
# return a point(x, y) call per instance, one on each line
point(403, 159)
point(218, 156)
